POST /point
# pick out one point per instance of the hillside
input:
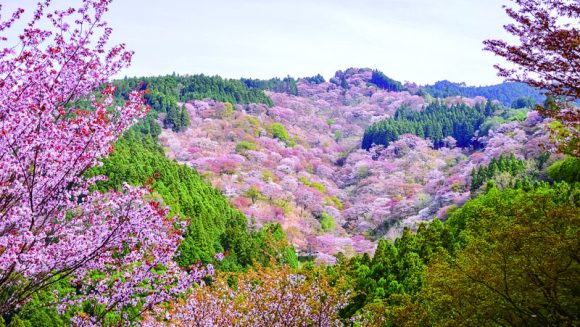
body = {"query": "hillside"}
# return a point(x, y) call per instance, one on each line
point(356, 172)
point(299, 162)
point(507, 93)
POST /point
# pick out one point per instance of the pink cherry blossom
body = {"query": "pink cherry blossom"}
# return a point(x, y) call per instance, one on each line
point(51, 224)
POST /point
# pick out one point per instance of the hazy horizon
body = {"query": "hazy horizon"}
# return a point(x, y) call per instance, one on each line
point(419, 41)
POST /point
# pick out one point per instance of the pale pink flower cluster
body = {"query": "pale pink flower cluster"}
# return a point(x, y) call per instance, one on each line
point(51, 224)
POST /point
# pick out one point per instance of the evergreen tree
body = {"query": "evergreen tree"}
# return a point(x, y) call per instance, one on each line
point(435, 122)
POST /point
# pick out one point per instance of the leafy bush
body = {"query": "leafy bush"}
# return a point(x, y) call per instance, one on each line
point(245, 145)
point(567, 170)
point(326, 222)
point(279, 132)
point(315, 185)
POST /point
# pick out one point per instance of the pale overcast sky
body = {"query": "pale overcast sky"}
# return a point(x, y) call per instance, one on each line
point(410, 40)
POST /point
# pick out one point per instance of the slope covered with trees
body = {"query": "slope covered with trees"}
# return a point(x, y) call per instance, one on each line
point(214, 225)
point(298, 162)
point(566, 170)
point(384, 82)
point(435, 122)
point(508, 165)
point(501, 254)
point(285, 85)
point(507, 93)
point(164, 92)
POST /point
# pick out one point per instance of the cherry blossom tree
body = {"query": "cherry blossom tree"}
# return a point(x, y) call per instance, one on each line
point(57, 119)
point(547, 56)
point(265, 297)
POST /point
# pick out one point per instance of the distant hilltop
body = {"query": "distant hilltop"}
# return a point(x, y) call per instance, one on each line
point(508, 93)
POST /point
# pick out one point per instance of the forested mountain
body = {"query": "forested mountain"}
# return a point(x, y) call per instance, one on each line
point(297, 162)
point(214, 225)
point(193, 200)
point(508, 93)
point(290, 181)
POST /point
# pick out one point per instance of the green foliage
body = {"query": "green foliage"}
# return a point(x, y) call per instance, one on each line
point(139, 160)
point(254, 194)
point(267, 175)
point(244, 146)
point(509, 164)
point(37, 313)
point(334, 201)
point(228, 110)
point(176, 116)
point(516, 114)
point(397, 268)
point(326, 222)
point(40, 310)
point(505, 258)
point(255, 124)
point(523, 102)
point(337, 135)
point(568, 143)
point(192, 87)
point(435, 122)
point(507, 115)
point(519, 265)
point(507, 93)
point(286, 85)
point(386, 83)
point(315, 185)
point(263, 247)
point(271, 237)
point(567, 170)
point(279, 132)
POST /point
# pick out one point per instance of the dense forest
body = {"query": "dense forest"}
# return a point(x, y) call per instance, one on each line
point(509, 165)
point(164, 93)
point(189, 87)
point(435, 122)
point(384, 82)
point(285, 85)
point(508, 93)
